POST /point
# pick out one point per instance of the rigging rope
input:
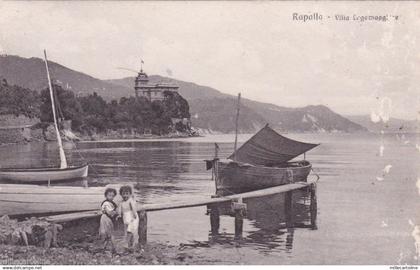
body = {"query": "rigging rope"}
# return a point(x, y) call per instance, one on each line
point(61, 117)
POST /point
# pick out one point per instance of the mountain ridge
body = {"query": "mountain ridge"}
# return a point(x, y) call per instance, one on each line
point(278, 117)
point(211, 109)
point(392, 126)
point(30, 73)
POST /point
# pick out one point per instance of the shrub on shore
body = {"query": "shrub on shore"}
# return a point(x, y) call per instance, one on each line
point(17, 100)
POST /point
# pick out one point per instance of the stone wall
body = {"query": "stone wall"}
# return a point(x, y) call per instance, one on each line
point(13, 135)
point(9, 120)
point(20, 135)
point(18, 129)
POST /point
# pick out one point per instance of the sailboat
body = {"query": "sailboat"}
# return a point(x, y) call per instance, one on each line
point(47, 174)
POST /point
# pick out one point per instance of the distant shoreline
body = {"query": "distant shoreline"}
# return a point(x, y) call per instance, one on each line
point(173, 137)
point(105, 138)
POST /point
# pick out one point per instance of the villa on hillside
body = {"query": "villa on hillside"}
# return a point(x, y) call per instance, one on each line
point(152, 92)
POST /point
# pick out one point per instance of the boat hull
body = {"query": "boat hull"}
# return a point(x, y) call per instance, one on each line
point(44, 175)
point(235, 177)
point(30, 200)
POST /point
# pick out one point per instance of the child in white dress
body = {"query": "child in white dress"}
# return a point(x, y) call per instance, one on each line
point(129, 215)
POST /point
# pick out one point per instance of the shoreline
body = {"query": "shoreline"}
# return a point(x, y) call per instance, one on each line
point(129, 137)
point(78, 243)
point(105, 138)
point(169, 137)
point(89, 254)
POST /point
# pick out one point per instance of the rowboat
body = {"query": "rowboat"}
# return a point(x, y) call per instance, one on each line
point(261, 162)
point(30, 200)
point(236, 177)
point(42, 175)
point(47, 174)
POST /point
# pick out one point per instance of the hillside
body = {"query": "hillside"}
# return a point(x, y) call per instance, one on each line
point(392, 126)
point(218, 114)
point(215, 111)
point(211, 109)
point(188, 90)
point(30, 73)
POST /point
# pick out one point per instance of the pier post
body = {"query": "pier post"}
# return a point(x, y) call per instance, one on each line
point(239, 223)
point(214, 218)
point(239, 209)
point(288, 208)
point(142, 227)
point(313, 206)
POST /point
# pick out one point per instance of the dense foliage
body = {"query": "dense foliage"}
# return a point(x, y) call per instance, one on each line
point(18, 101)
point(92, 114)
point(68, 107)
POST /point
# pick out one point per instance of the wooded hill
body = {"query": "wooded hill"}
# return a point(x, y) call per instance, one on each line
point(210, 109)
point(93, 114)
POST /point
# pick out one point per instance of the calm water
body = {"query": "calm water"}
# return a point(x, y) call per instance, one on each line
point(362, 219)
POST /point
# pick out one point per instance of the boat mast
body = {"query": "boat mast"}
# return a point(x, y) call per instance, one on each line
point(63, 161)
point(236, 126)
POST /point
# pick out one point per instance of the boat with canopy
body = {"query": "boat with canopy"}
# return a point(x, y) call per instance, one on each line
point(47, 174)
point(261, 162)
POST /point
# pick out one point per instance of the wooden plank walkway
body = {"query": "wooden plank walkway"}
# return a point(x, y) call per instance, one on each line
point(238, 208)
point(204, 202)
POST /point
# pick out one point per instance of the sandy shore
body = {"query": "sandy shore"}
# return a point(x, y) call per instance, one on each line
point(88, 254)
point(78, 243)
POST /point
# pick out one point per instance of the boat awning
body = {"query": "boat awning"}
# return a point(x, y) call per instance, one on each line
point(268, 148)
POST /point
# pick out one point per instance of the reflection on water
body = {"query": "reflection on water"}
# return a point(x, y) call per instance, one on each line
point(352, 204)
point(274, 222)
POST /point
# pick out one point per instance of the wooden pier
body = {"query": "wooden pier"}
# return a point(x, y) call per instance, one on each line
point(237, 201)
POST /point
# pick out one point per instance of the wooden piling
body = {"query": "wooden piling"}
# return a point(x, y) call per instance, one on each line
point(239, 209)
point(239, 223)
point(142, 227)
point(313, 206)
point(214, 218)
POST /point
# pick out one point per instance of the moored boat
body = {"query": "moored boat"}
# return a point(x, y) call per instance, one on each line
point(28, 200)
point(43, 175)
point(262, 162)
point(47, 174)
point(236, 177)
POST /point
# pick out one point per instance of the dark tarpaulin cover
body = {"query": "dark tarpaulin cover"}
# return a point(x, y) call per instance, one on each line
point(268, 148)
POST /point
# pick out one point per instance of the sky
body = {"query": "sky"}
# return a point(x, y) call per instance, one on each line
point(255, 48)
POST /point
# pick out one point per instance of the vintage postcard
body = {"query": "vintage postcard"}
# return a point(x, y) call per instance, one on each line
point(209, 133)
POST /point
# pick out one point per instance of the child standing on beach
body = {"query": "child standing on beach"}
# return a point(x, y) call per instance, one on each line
point(109, 213)
point(128, 212)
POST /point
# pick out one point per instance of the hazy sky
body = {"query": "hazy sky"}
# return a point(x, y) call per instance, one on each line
point(252, 47)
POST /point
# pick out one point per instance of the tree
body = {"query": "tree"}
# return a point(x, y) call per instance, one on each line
point(94, 109)
point(93, 114)
point(18, 101)
point(93, 104)
point(67, 106)
point(175, 105)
